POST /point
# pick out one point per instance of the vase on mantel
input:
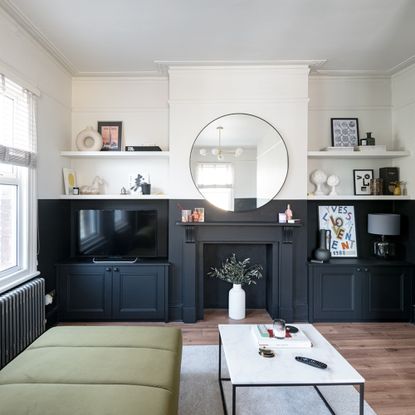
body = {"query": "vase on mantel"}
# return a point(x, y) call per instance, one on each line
point(237, 302)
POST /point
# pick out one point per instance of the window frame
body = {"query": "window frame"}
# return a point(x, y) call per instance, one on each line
point(26, 233)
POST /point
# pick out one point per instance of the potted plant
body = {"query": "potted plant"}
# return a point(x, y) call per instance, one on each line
point(237, 273)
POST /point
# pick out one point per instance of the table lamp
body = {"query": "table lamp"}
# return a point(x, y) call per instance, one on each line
point(384, 224)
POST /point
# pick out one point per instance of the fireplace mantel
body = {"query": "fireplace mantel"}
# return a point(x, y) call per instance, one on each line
point(279, 239)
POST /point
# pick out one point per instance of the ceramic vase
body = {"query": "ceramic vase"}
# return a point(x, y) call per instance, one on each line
point(322, 253)
point(237, 302)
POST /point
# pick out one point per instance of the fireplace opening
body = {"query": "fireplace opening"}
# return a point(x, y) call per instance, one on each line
point(215, 291)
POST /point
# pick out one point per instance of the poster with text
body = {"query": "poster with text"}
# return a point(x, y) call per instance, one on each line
point(340, 221)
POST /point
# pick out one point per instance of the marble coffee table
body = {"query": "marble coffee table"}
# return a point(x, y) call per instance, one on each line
point(248, 369)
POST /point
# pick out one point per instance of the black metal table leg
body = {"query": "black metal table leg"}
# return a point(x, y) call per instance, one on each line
point(362, 398)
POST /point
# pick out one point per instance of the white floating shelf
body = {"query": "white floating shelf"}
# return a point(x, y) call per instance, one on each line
point(357, 197)
point(123, 197)
point(358, 154)
point(115, 154)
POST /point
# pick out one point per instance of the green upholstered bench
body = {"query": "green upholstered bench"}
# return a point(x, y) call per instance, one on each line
point(93, 370)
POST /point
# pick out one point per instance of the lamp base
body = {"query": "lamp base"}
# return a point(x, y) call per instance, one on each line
point(384, 249)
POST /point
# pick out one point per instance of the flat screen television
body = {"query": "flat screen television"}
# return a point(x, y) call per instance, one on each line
point(116, 233)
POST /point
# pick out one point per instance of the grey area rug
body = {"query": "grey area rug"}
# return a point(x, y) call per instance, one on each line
point(200, 393)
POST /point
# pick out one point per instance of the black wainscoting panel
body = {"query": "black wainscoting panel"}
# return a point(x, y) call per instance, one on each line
point(54, 237)
point(406, 209)
point(361, 208)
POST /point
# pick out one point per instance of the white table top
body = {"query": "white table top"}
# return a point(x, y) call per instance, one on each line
point(246, 366)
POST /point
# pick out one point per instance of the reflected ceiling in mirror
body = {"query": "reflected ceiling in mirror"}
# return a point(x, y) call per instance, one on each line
point(239, 162)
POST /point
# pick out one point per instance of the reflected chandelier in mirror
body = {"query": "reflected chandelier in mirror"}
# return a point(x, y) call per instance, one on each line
point(239, 162)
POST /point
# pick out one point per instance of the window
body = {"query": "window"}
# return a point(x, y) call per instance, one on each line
point(17, 184)
point(215, 180)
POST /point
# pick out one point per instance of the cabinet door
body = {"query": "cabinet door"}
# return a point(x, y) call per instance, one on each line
point(335, 293)
point(387, 294)
point(140, 292)
point(84, 292)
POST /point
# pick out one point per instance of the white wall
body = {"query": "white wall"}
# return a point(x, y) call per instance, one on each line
point(403, 117)
point(22, 56)
point(200, 94)
point(142, 106)
point(365, 98)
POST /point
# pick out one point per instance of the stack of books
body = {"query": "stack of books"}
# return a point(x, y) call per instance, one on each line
point(263, 339)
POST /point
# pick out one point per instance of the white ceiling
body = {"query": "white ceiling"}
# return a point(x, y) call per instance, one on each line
point(128, 36)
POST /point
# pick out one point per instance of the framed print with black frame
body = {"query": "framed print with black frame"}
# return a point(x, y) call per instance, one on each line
point(111, 132)
point(344, 132)
point(361, 181)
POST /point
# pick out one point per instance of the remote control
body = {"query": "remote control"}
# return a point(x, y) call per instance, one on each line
point(311, 362)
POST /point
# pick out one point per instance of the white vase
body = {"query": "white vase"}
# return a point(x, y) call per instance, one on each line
point(237, 302)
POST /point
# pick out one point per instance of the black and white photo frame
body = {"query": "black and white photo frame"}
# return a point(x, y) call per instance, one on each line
point(361, 181)
point(344, 132)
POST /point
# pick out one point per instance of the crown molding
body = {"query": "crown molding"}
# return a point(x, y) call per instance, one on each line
point(26, 24)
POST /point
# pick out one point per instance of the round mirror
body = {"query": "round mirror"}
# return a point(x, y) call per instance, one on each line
point(239, 162)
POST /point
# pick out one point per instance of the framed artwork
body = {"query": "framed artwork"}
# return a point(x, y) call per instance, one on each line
point(69, 180)
point(344, 132)
point(111, 132)
point(340, 221)
point(361, 181)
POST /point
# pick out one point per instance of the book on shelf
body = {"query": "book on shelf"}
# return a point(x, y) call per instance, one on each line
point(262, 338)
point(349, 148)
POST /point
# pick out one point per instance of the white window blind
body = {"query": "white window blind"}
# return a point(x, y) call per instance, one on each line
point(215, 175)
point(17, 124)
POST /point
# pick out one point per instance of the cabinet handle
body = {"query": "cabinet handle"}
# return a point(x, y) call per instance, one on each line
point(358, 270)
point(116, 269)
point(366, 270)
point(107, 269)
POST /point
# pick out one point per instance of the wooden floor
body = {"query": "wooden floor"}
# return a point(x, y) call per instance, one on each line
point(383, 353)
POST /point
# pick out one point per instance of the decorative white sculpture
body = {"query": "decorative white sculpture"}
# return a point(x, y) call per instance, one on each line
point(95, 188)
point(318, 177)
point(333, 181)
point(89, 140)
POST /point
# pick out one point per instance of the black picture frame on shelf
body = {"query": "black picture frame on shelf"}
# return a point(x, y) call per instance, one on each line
point(344, 132)
point(361, 181)
point(111, 132)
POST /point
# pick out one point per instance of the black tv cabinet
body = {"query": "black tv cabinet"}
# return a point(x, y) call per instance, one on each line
point(112, 292)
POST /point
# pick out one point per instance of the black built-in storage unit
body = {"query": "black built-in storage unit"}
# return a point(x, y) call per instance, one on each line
point(115, 291)
point(360, 290)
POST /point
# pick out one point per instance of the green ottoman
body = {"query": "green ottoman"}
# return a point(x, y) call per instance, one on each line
point(95, 370)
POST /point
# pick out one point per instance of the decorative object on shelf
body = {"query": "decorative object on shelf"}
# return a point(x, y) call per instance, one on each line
point(318, 178)
point(237, 273)
point(361, 181)
point(219, 151)
point(333, 181)
point(376, 186)
point(142, 148)
point(89, 140)
point(187, 215)
point(124, 191)
point(69, 180)
point(397, 188)
point(389, 176)
point(135, 184)
point(368, 140)
point(198, 215)
point(340, 221)
point(75, 191)
point(96, 187)
point(322, 253)
point(111, 132)
point(384, 224)
point(344, 132)
point(282, 218)
point(288, 213)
